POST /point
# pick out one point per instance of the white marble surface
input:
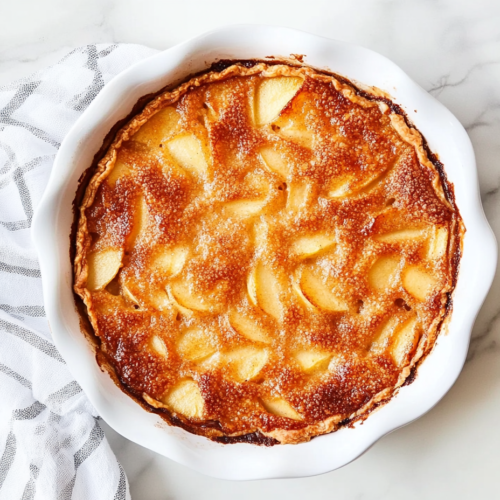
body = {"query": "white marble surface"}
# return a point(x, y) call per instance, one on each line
point(450, 47)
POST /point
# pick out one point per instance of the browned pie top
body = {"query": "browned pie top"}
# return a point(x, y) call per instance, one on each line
point(265, 250)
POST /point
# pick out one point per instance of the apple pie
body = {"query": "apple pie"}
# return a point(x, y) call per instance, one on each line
point(266, 253)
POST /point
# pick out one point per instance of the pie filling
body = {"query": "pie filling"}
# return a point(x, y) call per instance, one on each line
point(266, 253)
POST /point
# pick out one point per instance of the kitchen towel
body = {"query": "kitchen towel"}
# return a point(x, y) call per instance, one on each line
point(51, 443)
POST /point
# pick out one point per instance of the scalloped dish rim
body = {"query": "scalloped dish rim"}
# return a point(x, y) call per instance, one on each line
point(53, 219)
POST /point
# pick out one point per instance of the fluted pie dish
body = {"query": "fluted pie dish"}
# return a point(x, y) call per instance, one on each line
point(266, 252)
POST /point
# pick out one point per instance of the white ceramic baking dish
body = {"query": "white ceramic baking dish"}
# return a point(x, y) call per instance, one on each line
point(51, 229)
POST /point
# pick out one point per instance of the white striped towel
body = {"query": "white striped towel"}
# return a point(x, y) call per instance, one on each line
point(51, 444)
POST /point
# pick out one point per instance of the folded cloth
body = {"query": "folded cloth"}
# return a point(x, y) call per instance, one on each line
point(51, 444)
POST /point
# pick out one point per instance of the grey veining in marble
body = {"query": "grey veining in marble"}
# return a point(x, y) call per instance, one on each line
point(452, 49)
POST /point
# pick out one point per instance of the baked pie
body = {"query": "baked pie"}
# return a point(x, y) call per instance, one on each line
point(266, 253)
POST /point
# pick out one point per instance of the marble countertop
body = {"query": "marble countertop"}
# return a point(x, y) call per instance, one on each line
point(452, 49)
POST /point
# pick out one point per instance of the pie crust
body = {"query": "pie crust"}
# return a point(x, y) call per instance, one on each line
point(266, 253)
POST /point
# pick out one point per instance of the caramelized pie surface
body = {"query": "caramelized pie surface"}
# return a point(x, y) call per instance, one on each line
point(264, 250)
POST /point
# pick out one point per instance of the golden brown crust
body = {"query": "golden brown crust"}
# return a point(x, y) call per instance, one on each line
point(361, 376)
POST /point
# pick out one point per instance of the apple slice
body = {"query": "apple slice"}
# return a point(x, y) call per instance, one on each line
point(119, 170)
point(187, 152)
point(379, 345)
point(195, 345)
point(405, 341)
point(171, 260)
point(302, 298)
point(103, 266)
point(185, 398)
point(129, 295)
point(159, 128)
point(159, 346)
point(248, 327)
point(140, 221)
point(252, 288)
point(418, 282)
point(183, 310)
point(253, 205)
point(319, 293)
point(268, 288)
point(372, 184)
point(401, 235)
point(274, 161)
point(184, 295)
point(280, 407)
point(383, 272)
point(272, 95)
point(246, 362)
point(297, 134)
point(245, 208)
point(345, 185)
point(298, 196)
point(307, 246)
point(310, 360)
point(438, 243)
